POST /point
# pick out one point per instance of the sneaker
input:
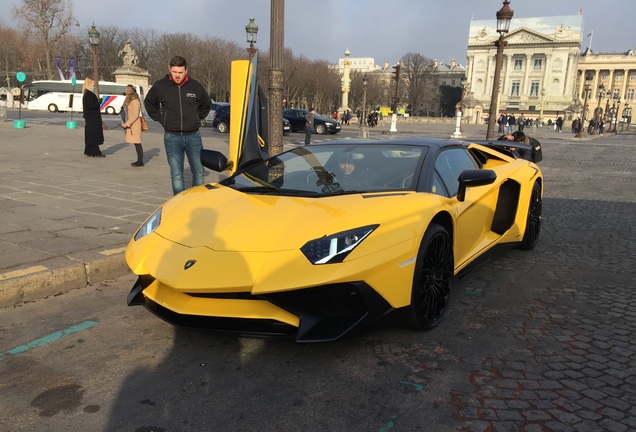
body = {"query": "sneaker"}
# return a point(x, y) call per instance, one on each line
point(137, 164)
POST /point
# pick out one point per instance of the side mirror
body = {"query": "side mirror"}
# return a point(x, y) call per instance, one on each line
point(213, 160)
point(471, 178)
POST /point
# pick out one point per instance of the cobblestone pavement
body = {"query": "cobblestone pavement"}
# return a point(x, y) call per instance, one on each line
point(565, 359)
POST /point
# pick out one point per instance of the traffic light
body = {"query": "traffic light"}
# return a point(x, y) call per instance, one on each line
point(396, 72)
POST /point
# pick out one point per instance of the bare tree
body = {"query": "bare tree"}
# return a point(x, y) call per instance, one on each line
point(418, 82)
point(48, 21)
point(10, 54)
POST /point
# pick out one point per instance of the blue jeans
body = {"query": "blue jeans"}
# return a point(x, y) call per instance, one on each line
point(176, 146)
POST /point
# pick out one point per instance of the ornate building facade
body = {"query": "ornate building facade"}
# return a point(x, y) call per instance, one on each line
point(539, 71)
point(612, 82)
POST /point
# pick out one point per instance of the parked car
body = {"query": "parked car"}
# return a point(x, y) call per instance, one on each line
point(438, 207)
point(221, 120)
point(210, 118)
point(322, 125)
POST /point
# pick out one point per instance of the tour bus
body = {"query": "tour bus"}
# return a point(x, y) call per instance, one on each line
point(61, 96)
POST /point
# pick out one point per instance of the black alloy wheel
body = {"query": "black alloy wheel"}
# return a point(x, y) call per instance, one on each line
point(533, 224)
point(432, 280)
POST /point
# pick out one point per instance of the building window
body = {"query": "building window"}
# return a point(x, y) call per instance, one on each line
point(615, 93)
point(632, 76)
point(604, 76)
point(453, 83)
point(630, 94)
point(619, 76)
point(514, 91)
point(538, 63)
point(534, 88)
point(518, 63)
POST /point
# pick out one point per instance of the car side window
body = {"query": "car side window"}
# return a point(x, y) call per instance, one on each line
point(437, 187)
point(450, 164)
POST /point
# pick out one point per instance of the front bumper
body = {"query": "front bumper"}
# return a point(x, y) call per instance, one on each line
point(318, 314)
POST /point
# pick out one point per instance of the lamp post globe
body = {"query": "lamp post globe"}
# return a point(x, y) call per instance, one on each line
point(504, 16)
point(251, 31)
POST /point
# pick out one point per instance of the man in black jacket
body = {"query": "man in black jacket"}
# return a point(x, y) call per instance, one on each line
point(180, 104)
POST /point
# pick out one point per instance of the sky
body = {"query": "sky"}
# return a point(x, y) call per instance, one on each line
point(382, 29)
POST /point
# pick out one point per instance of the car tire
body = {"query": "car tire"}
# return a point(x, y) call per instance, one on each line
point(321, 129)
point(110, 110)
point(52, 108)
point(533, 223)
point(222, 127)
point(432, 280)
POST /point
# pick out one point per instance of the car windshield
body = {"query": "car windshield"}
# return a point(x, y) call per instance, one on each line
point(334, 169)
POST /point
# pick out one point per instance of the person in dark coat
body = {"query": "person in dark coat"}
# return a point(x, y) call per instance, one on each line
point(93, 132)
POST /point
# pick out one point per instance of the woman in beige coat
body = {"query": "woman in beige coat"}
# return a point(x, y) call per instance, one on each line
point(132, 126)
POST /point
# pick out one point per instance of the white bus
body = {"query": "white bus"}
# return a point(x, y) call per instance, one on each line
point(60, 96)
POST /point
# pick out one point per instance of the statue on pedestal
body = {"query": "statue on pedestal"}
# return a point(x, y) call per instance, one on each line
point(129, 55)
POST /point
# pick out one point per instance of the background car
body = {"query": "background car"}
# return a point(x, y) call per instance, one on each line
point(210, 118)
point(221, 120)
point(322, 125)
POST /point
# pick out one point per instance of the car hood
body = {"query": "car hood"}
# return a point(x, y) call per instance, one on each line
point(224, 219)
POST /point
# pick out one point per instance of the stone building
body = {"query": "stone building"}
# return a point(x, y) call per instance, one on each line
point(616, 72)
point(539, 71)
point(448, 74)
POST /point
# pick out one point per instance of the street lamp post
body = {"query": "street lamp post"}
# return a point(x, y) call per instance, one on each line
point(504, 16)
point(251, 30)
point(275, 86)
point(460, 112)
point(363, 132)
point(581, 132)
point(597, 113)
point(93, 39)
point(614, 117)
point(541, 108)
point(627, 115)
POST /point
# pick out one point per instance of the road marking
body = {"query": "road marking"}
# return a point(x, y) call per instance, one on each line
point(50, 338)
point(417, 387)
point(23, 272)
point(109, 252)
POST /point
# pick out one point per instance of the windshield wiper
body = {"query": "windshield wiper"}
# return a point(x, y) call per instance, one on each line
point(272, 189)
point(257, 189)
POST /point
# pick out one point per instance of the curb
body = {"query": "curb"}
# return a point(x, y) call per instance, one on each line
point(57, 281)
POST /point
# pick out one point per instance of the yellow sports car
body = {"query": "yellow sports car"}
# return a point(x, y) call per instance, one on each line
point(322, 241)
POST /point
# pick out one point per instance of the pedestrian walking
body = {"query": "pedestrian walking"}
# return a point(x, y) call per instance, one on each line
point(309, 125)
point(181, 105)
point(521, 122)
point(511, 123)
point(132, 123)
point(93, 130)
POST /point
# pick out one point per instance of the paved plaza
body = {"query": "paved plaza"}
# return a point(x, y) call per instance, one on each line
point(536, 340)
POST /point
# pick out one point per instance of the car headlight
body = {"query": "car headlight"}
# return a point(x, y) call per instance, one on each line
point(336, 247)
point(150, 225)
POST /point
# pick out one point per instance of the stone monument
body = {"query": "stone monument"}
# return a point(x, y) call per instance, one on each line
point(130, 73)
